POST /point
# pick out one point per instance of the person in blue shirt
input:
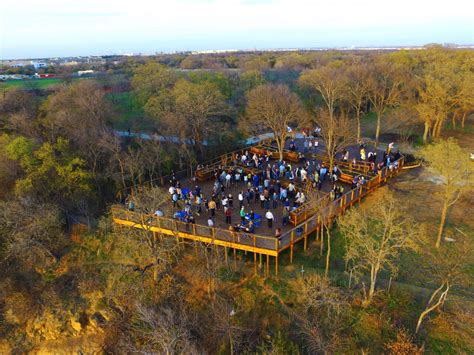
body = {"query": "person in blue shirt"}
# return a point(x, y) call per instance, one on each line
point(255, 180)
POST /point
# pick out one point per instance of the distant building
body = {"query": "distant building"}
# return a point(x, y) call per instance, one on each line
point(16, 63)
point(85, 72)
point(39, 65)
point(70, 63)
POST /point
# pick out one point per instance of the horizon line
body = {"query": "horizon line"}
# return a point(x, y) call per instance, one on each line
point(274, 49)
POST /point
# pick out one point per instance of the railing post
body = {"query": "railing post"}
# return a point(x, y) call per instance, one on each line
point(318, 226)
point(305, 235)
point(255, 254)
point(291, 245)
point(213, 235)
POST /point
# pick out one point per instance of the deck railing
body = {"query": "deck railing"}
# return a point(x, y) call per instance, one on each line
point(306, 210)
point(171, 226)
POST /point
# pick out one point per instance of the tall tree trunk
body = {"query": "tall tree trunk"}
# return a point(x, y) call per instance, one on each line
point(328, 254)
point(431, 307)
point(444, 213)
point(358, 124)
point(435, 129)
point(425, 132)
point(122, 173)
point(373, 280)
point(377, 129)
point(439, 128)
point(281, 145)
point(463, 120)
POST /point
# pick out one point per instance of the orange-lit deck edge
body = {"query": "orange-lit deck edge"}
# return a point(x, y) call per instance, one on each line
point(195, 237)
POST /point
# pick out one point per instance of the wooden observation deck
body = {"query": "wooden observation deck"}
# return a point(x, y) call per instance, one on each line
point(305, 219)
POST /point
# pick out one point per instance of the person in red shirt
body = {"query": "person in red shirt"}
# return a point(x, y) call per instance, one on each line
point(228, 216)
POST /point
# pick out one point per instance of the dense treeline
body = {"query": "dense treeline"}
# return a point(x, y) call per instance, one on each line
point(68, 274)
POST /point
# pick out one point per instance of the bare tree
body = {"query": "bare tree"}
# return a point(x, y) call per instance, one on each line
point(449, 161)
point(327, 81)
point(356, 91)
point(375, 238)
point(325, 211)
point(447, 267)
point(163, 331)
point(322, 314)
point(436, 99)
point(337, 133)
point(384, 89)
point(197, 106)
point(272, 107)
point(465, 96)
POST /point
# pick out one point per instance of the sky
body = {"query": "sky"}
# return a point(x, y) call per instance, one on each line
point(50, 28)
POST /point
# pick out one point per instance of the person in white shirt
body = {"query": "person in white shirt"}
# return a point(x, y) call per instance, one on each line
point(270, 218)
point(241, 199)
point(346, 156)
point(304, 175)
point(390, 147)
point(171, 190)
point(210, 222)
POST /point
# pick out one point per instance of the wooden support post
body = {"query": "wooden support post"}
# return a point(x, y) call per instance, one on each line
point(255, 256)
point(317, 227)
point(268, 265)
point(177, 234)
point(276, 265)
point(260, 260)
point(225, 254)
point(291, 246)
point(305, 235)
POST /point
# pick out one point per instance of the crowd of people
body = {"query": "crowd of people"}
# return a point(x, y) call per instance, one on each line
point(257, 190)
